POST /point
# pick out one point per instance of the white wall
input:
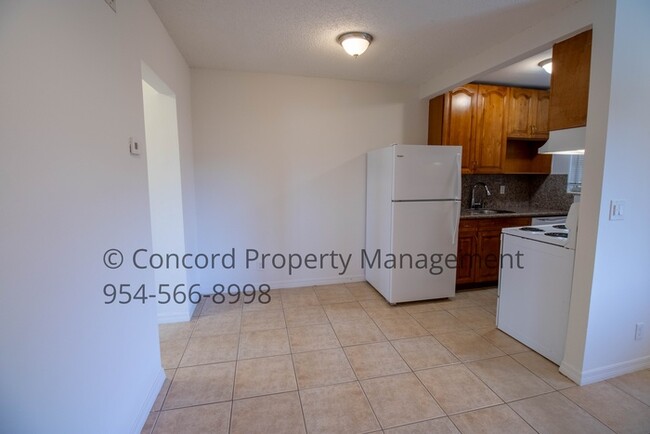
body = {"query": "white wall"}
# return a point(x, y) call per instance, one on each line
point(618, 292)
point(69, 190)
point(280, 165)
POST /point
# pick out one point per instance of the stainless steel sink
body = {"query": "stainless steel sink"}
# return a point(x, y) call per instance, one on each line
point(485, 211)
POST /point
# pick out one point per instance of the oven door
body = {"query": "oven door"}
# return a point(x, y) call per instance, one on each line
point(534, 294)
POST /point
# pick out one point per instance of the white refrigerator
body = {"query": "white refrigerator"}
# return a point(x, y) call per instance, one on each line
point(412, 215)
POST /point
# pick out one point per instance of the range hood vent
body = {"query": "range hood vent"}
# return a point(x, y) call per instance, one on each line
point(570, 141)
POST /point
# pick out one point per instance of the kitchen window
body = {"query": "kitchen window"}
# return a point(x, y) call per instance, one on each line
point(574, 181)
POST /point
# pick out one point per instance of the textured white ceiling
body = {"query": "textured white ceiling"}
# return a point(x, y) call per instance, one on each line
point(526, 73)
point(414, 39)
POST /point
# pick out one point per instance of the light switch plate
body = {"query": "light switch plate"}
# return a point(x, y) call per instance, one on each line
point(134, 146)
point(617, 210)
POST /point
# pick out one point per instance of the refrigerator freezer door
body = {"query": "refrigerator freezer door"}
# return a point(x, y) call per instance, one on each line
point(424, 228)
point(427, 172)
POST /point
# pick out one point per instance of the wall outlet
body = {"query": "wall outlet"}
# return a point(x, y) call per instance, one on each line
point(638, 333)
point(502, 189)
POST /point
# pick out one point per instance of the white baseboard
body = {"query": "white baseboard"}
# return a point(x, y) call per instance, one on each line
point(297, 283)
point(148, 403)
point(594, 375)
point(165, 318)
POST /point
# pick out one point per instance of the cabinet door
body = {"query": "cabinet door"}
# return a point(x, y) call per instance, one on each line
point(488, 246)
point(459, 121)
point(570, 82)
point(540, 121)
point(466, 256)
point(490, 137)
point(521, 112)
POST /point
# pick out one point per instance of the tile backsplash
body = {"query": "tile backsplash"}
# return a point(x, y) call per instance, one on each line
point(522, 191)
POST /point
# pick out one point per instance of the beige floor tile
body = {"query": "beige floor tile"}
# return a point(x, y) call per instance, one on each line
point(213, 418)
point(311, 338)
point(169, 375)
point(363, 291)
point(263, 343)
point(400, 328)
point(400, 399)
point(210, 349)
point(498, 420)
point(271, 302)
point(421, 306)
point(274, 414)
point(636, 384)
point(442, 425)
point(629, 415)
point(468, 346)
point(299, 316)
point(218, 305)
point(262, 320)
point(555, 414)
point(508, 379)
point(179, 330)
point(375, 360)
point(491, 307)
point(544, 369)
point(322, 368)
point(218, 324)
point(423, 352)
point(264, 376)
point(201, 385)
point(359, 332)
point(457, 303)
point(333, 294)
point(149, 423)
point(308, 298)
point(457, 389)
point(345, 312)
point(474, 317)
point(171, 352)
point(440, 321)
point(502, 341)
point(342, 408)
point(382, 309)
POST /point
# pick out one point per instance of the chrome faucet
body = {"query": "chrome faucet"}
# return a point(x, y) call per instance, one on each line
point(474, 204)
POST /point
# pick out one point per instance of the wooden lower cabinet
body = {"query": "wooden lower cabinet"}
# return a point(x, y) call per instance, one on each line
point(479, 247)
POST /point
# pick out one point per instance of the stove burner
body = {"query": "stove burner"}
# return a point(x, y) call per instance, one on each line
point(562, 227)
point(557, 234)
point(531, 229)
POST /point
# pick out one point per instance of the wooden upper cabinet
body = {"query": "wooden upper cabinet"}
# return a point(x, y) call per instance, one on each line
point(570, 82)
point(528, 113)
point(459, 121)
point(541, 114)
point(490, 136)
point(495, 126)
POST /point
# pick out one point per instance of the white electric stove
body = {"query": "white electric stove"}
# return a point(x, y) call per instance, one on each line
point(535, 284)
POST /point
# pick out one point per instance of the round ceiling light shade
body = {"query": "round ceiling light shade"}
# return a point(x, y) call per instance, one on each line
point(354, 43)
point(547, 64)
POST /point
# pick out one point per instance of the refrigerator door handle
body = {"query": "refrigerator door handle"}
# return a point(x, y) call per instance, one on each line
point(456, 222)
point(459, 166)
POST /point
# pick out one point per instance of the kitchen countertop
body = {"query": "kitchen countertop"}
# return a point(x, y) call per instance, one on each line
point(517, 212)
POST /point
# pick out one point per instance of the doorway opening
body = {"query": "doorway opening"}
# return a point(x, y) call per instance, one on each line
point(165, 194)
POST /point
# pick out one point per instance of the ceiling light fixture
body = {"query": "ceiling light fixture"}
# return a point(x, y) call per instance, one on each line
point(547, 65)
point(355, 43)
